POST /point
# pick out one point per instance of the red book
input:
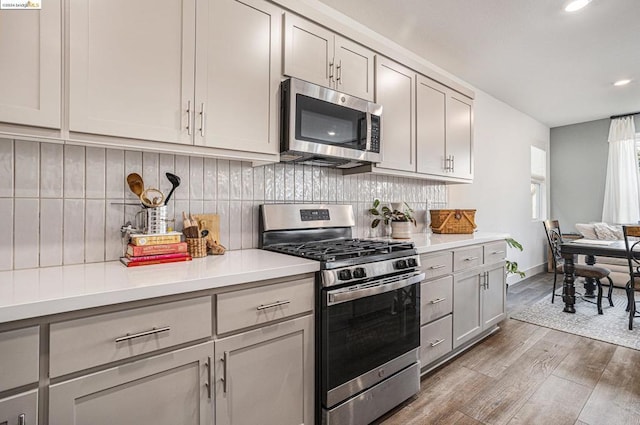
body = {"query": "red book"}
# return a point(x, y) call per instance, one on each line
point(168, 248)
point(127, 261)
point(157, 257)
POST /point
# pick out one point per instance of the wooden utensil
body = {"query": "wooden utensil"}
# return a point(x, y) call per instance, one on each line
point(136, 184)
point(210, 222)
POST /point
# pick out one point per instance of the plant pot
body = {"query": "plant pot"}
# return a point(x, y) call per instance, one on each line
point(401, 229)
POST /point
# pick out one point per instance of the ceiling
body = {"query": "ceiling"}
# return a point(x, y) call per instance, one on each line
point(554, 66)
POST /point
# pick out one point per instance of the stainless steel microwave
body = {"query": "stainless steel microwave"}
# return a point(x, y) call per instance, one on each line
point(323, 127)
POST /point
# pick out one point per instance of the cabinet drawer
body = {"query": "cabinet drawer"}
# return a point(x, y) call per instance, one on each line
point(12, 408)
point(467, 258)
point(495, 252)
point(256, 306)
point(435, 265)
point(436, 298)
point(435, 340)
point(19, 351)
point(92, 341)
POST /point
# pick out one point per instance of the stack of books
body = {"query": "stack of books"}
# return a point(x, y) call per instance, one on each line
point(143, 250)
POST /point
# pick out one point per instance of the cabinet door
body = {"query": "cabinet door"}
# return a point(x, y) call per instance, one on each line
point(467, 319)
point(308, 51)
point(19, 357)
point(431, 100)
point(460, 135)
point(168, 389)
point(238, 75)
point(494, 295)
point(395, 88)
point(131, 68)
point(22, 407)
point(265, 376)
point(353, 68)
point(30, 68)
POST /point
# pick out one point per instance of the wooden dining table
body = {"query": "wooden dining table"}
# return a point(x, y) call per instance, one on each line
point(590, 249)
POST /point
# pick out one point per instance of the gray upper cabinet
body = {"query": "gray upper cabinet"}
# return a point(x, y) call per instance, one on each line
point(30, 66)
point(444, 133)
point(238, 70)
point(131, 68)
point(160, 72)
point(395, 88)
point(315, 54)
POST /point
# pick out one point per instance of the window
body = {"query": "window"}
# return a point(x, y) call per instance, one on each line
point(538, 183)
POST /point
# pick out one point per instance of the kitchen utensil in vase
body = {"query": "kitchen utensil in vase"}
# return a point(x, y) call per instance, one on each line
point(175, 182)
point(136, 184)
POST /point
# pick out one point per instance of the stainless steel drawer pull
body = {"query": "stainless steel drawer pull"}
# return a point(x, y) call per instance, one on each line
point(208, 383)
point(437, 342)
point(202, 119)
point(223, 378)
point(22, 419)
point(153, 331)
point(497, 252)
point(437, 300)
point(470, 258)
point(272, 305)
point(436, 267)
point(189, 118)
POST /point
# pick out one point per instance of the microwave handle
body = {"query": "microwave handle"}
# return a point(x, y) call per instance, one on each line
point(369, 125)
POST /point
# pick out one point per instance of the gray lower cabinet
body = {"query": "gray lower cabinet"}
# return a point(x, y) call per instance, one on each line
point(21, 409)
point(478, 301)
point(168, 389)
point(265, 376)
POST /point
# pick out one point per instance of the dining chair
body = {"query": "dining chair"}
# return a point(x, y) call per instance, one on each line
point(631, 243)
point(554, 238)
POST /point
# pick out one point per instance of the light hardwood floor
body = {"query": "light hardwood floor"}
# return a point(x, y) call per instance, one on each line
point(527, 374)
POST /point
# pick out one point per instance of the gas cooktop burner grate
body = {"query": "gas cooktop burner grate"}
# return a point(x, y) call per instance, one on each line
point(335, 250)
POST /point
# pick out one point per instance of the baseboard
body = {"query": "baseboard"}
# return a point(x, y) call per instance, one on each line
point(514, 279)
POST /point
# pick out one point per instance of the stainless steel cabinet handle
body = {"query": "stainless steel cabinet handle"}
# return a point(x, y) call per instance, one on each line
point(189, 118)
point(439, 266)
point(470, 258)
point(272, 305)
point(497, 252)
point(437, 342)
point(22, 419)
point(486, 280)
point(208, 383)
point(202, 119)
point(437, 300)
point(482, 281)
point(330, 71)
point(153, 331)
point(339, 72)
point(225, 361)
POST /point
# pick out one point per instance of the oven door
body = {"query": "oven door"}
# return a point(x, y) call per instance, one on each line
point(369, 331)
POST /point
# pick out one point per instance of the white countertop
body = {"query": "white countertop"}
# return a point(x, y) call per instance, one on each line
point(43, 291)
point(49, 290)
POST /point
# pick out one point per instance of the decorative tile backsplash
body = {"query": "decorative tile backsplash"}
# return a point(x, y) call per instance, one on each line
point(64, 204)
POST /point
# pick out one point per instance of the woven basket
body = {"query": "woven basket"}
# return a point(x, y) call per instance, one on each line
point(453, 221)
point(197, 247)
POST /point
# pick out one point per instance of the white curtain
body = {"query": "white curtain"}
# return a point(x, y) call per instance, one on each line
point(622, 188)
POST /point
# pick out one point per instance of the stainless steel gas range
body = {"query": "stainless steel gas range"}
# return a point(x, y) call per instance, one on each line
point(367, 310)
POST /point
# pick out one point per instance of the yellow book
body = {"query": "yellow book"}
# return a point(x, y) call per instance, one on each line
point(155, 238)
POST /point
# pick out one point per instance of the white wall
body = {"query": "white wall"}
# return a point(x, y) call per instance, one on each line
point(500, 191)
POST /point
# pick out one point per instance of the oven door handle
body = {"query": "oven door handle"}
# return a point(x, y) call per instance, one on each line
point(338, 296)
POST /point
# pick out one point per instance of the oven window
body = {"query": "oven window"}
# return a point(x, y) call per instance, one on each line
point(323, 122)
point(363, 334)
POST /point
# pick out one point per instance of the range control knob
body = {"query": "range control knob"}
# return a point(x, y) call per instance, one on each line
point(359, 273)
point(344, 274)
point(412, 262)
point(401, 264)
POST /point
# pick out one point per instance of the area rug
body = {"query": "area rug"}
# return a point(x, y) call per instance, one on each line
point(612, 326)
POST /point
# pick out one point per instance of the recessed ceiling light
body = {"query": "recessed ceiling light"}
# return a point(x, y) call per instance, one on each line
point(576, 5)
point(621, 82)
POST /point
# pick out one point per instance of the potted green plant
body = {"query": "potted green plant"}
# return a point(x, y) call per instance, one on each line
point(400, 217)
